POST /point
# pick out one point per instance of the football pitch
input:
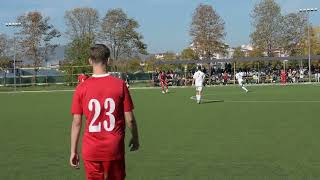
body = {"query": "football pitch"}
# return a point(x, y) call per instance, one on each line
point(271, 133)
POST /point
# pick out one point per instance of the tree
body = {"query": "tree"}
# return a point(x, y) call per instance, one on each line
point(292, 32)
point(36, 35)
point(314, 41)
point(119, 32)
point(78, 51)
point(189, 53)
point(256, 52)
point(77, 54)
point(238, 53)
point(134, 65)
point(82, 23)
point(266, 21)
point(170, 56)
point(4, 56)
point(207, 32)
point(3, 44)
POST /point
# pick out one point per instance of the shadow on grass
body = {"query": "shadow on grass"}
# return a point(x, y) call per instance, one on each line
point(211, 101)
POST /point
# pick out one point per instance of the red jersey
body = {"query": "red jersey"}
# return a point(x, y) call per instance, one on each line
point(82, 78)
point(162, 77)
point(225, 76)
point(103, 100)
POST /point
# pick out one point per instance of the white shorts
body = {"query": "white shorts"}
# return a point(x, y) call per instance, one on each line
point(240, 83)
point(199, 88)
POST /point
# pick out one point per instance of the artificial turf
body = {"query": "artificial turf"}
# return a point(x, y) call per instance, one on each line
point(272, 132)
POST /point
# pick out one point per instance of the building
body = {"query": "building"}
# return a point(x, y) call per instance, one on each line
point(162, 56)
point(159, 56)
point(228, 55)
point(246, 49)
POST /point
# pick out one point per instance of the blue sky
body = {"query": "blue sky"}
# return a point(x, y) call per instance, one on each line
point(164, 23)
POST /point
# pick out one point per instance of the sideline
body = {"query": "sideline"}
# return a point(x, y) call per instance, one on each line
point(255, 101)
point(171, 87)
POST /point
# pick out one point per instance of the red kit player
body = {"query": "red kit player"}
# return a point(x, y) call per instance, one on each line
point(283, 77)
point(225, 78)
point(163, 81)
point(81, 78)
point(107, 106)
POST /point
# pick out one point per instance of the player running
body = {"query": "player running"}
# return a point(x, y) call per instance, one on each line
point(239, 77)
point(163, 81)
point(82, 77)
point(198, 79)
point(106, 103)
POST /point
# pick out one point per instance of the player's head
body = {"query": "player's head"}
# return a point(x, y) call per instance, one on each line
point(199, 68)
point(99, 54)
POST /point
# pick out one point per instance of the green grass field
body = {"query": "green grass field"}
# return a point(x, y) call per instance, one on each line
point(270, 133)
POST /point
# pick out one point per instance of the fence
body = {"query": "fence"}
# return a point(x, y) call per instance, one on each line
point(65, 77)
point(61, 77)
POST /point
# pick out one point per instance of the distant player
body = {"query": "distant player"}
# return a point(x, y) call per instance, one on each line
point(283, 77)
point(163, 81)
point(225, 78)
point(106, 103)
point(82, 77)
point(127, 80)
point(198, 79)
point(239, 77)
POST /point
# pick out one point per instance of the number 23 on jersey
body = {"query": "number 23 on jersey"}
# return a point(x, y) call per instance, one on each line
point(108, 104)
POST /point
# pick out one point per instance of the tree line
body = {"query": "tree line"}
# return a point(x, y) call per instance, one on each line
point(36, 35)
point(272, 30)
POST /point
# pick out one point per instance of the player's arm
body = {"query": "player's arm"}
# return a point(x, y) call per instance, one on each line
point(75, 133)
point(193, 79)
point(132, 125)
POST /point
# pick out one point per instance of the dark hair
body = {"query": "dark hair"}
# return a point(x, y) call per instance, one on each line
point(99, 53)
point(199, 67)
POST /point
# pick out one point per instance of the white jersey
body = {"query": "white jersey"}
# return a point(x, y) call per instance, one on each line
point(239, 76)
point(199, 78)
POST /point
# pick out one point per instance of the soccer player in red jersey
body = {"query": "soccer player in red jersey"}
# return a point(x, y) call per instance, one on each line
point(163, 81)
point(106, 103)
point(283, 77)
point(225, 78)
point(82, 77)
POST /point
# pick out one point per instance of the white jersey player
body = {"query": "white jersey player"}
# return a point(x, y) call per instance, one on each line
point(239, 77)
point(198, 79)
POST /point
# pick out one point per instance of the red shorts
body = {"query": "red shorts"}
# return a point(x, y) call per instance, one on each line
point(97, 170)
point(163, 82)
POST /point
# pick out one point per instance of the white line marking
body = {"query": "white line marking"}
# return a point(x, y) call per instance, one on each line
point(71, 90)
point(273, 101)
point(258, 101)
point(171, 87)
point(42, 91)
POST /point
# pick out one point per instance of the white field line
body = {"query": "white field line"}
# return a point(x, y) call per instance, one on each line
point(71, 90)
point(171, 87)
point(41, 91)
point(256, 101)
